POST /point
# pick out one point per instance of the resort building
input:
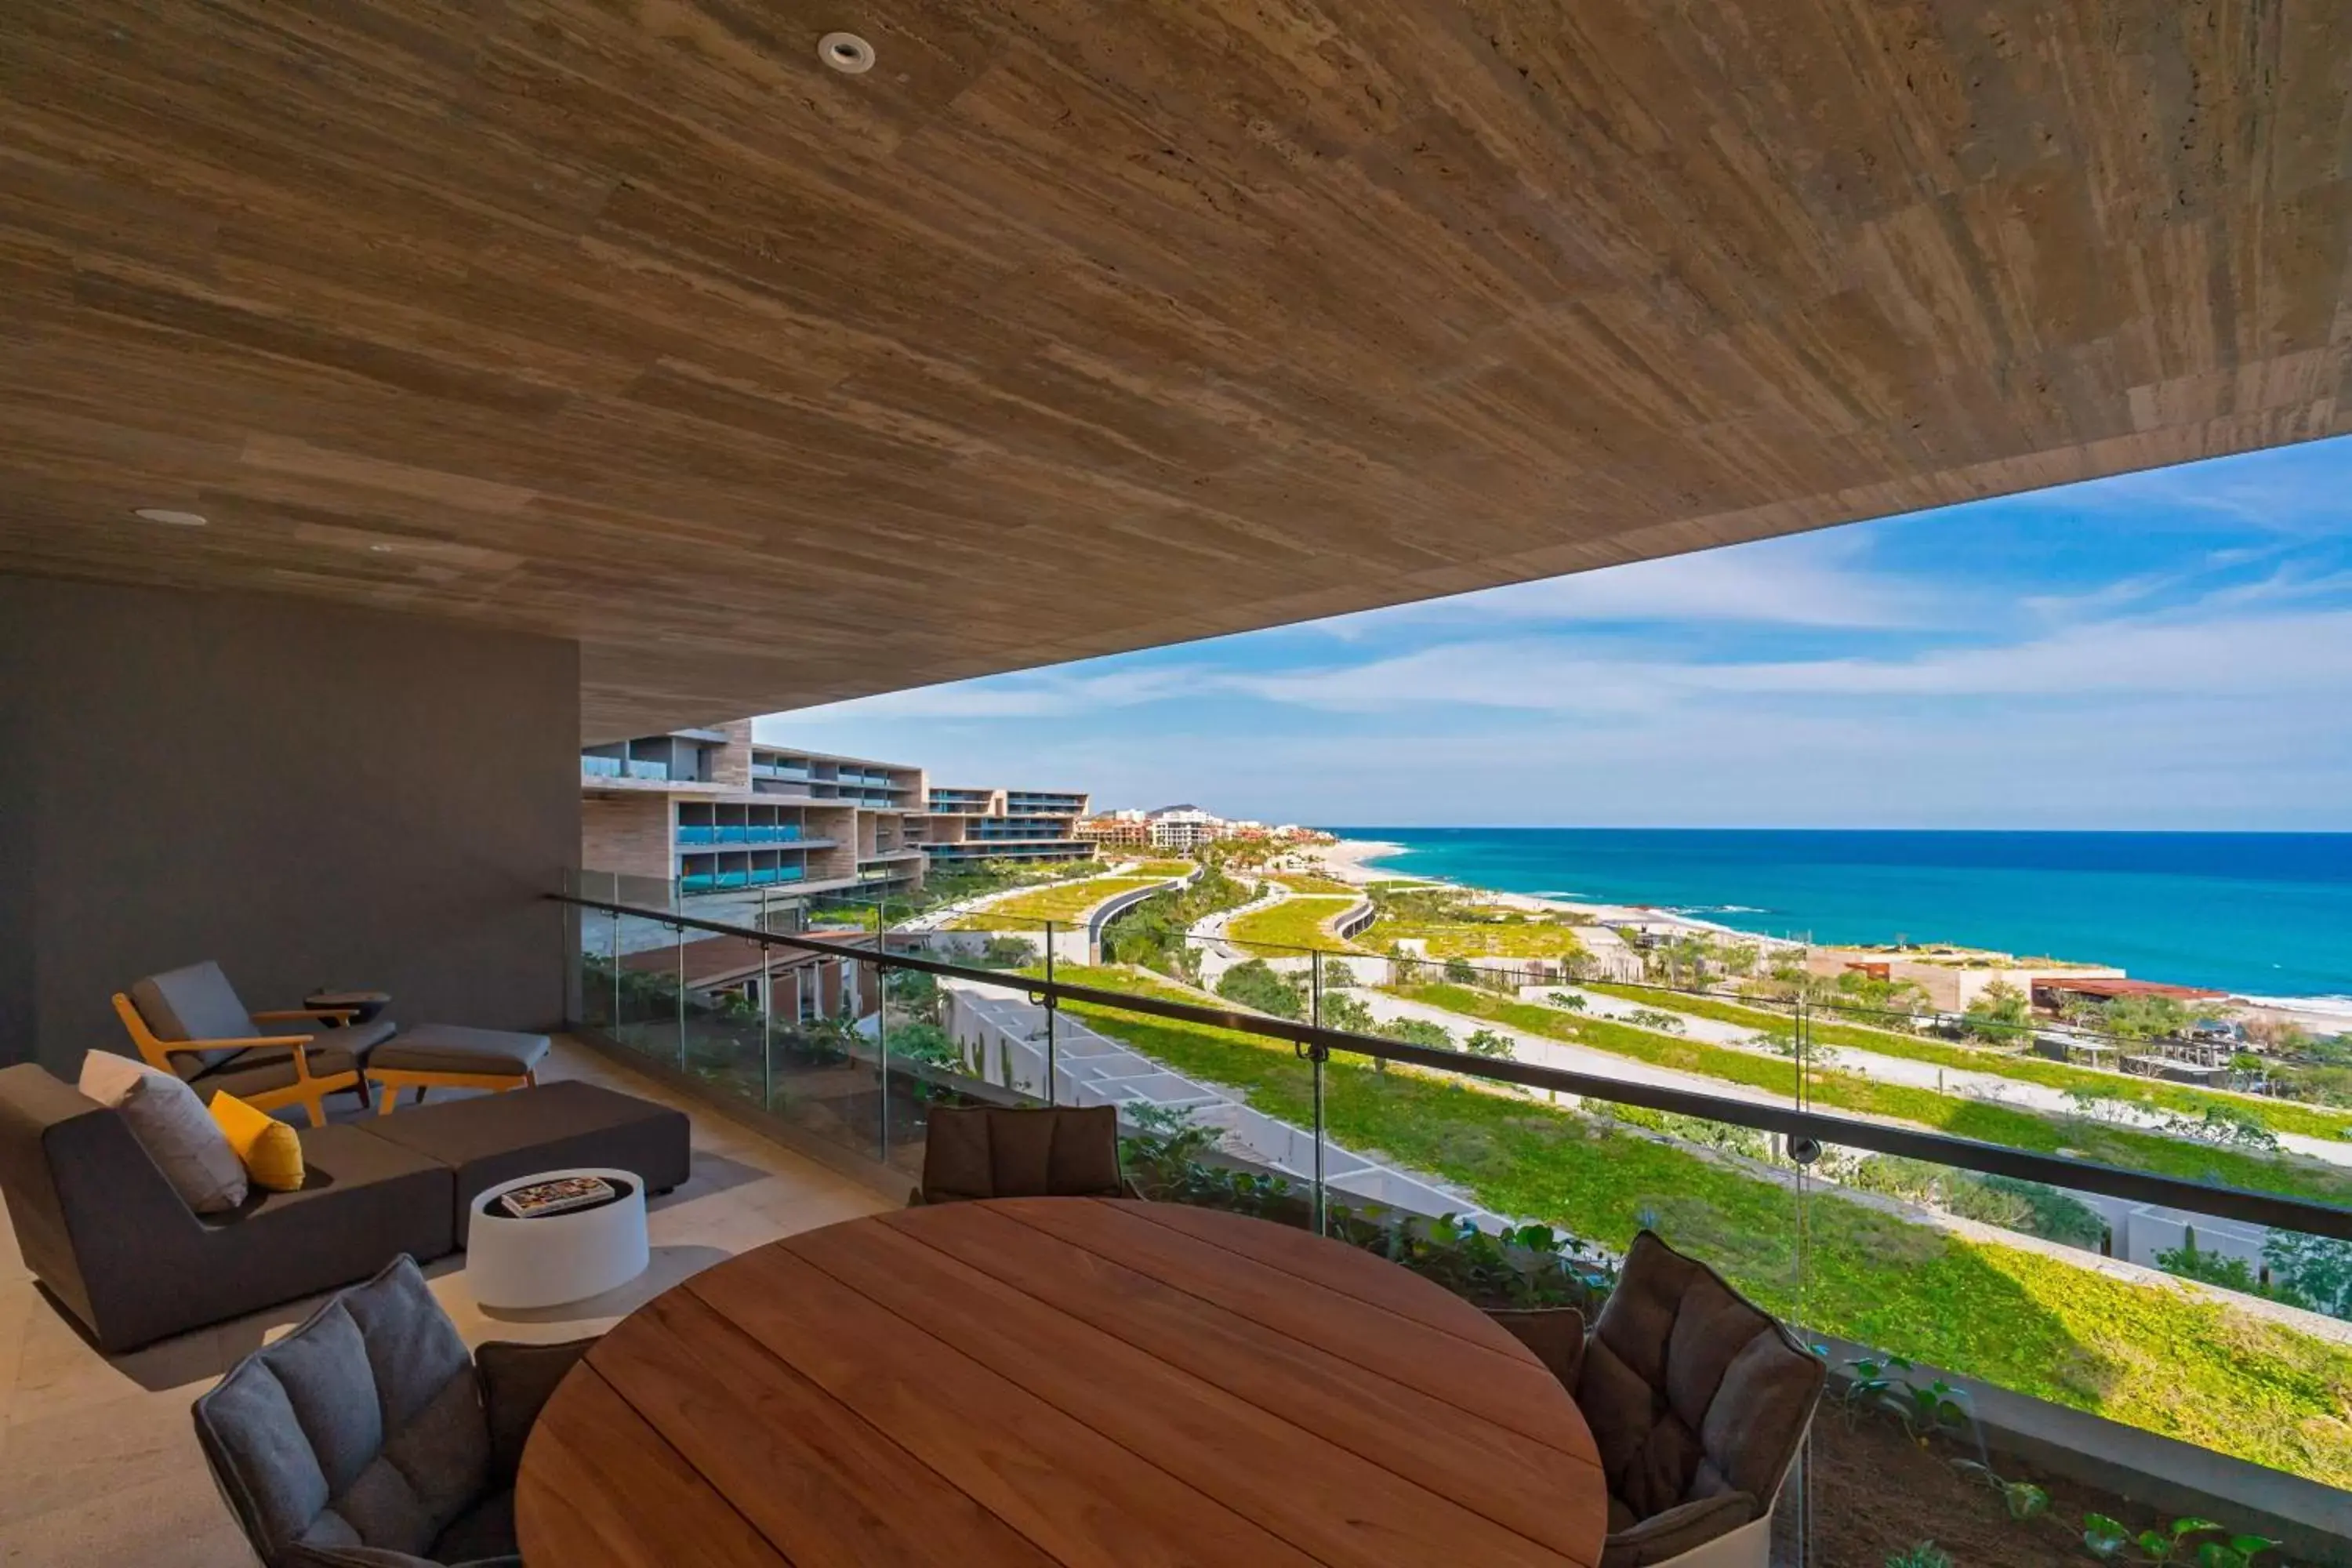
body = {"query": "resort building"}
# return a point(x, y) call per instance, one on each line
point(715, 812)
point(965, 826)
point(1184, 828)
point(1126, 829)
point(1950, 978)
point(719, 812)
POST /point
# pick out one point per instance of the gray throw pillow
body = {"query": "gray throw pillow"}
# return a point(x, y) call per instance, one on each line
point(172, 1125)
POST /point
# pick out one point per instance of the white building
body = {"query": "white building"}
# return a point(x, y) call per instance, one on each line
point(1184, 828)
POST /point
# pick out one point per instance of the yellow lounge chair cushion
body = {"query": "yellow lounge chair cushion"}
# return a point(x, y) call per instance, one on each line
point(272, 1151)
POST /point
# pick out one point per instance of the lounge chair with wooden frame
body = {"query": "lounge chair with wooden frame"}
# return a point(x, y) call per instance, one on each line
point(189, 1022)
point(444, 1056)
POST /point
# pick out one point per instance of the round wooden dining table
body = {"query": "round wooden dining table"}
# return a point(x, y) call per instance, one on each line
point(1073, 1381)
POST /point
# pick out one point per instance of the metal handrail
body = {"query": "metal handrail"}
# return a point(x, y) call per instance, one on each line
point(1962, 1154)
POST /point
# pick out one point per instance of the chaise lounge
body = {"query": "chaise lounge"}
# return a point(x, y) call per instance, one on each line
point(190, 1022)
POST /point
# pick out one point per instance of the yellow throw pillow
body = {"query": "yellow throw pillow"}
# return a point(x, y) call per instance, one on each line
point(272, 1151)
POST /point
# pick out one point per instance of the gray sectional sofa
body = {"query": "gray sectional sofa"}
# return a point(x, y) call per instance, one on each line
point(100, 1226)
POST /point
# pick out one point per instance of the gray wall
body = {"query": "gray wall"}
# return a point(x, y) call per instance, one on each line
point(312, 796)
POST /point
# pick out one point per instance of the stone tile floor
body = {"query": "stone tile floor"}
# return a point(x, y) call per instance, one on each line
point(99, 1464)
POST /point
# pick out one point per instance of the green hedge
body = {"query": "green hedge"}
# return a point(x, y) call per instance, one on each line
point(1962, 1117)
point(2144, 1354)
point(2277, 1116)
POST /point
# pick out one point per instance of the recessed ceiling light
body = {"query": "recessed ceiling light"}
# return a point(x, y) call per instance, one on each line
point(846, 53)
point(380, 549)
point(166, 515)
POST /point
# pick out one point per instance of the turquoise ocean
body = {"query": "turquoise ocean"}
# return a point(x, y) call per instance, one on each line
point(2260, 914)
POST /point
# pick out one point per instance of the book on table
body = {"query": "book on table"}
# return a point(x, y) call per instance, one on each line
point(555, 1197)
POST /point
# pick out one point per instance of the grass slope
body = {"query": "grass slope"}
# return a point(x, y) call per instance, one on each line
point(1292, 924)
point(1961, 1117)
point(1067, 901)
point(2143, 1354)
point(2277, 1116)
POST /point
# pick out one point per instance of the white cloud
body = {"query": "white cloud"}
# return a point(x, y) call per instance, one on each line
point(2253, 656)
point(1042, 694)
point(1808, 580)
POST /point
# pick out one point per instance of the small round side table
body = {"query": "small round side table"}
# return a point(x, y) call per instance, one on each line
point(549, 1260)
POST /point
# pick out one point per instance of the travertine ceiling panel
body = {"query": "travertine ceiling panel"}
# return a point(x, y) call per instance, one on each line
point(1077, 327)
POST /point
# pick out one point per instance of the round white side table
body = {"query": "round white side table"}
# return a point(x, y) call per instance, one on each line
point(552, 1259)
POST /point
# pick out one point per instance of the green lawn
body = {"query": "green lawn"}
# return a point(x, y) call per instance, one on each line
point(1961, 1117)
point(1064, 902)
point(2144, 1354)
point(2277, 1116)
point(1301, 882)
point(1294, 923)
point(1477, 939)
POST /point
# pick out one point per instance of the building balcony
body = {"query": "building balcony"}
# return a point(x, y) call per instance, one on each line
point(725, 833)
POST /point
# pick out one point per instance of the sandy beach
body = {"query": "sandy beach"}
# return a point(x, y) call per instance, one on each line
point(1353, 860)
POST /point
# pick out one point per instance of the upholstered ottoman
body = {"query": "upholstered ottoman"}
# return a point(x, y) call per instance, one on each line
point(501, 1138)
point(444, 1056)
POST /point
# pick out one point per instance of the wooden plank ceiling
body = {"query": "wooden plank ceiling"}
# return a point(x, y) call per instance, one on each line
point(1072, 328)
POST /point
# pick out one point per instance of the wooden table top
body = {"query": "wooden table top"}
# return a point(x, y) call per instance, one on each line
point(1058, 1380)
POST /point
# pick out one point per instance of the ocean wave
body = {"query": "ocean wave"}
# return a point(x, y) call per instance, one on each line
point(2332, 1007)
point(1718, 910)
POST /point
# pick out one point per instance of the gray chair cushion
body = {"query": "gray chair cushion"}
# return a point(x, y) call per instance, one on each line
point(446, 1048)
point(356, 1038)
point(1663, 1536)
point(264, 1067)
point(1695, 1394)
point(196, 1003)
point(987, 1152)
point(496, 1138)
point(363, 1428)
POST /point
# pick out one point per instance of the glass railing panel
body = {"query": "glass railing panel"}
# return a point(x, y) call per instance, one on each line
point(823, 1063)
point(592, 939)
point(646, 1007)
point(722, 1034)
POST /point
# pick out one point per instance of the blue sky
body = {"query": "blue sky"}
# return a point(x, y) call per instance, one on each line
point(2163, 650)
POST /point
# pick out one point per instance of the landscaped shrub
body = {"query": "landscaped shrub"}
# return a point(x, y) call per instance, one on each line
point(1255, 984)
point(1007, 953)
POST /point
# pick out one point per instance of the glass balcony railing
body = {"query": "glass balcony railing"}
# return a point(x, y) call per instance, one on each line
point(600, 767)
point(638, 770)
point(2043, 1289)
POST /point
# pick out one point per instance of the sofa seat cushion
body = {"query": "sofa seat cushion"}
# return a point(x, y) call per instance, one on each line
point(446, 1048)
point(257, 1069)
point(495, 1138)
point(1685, 1527)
